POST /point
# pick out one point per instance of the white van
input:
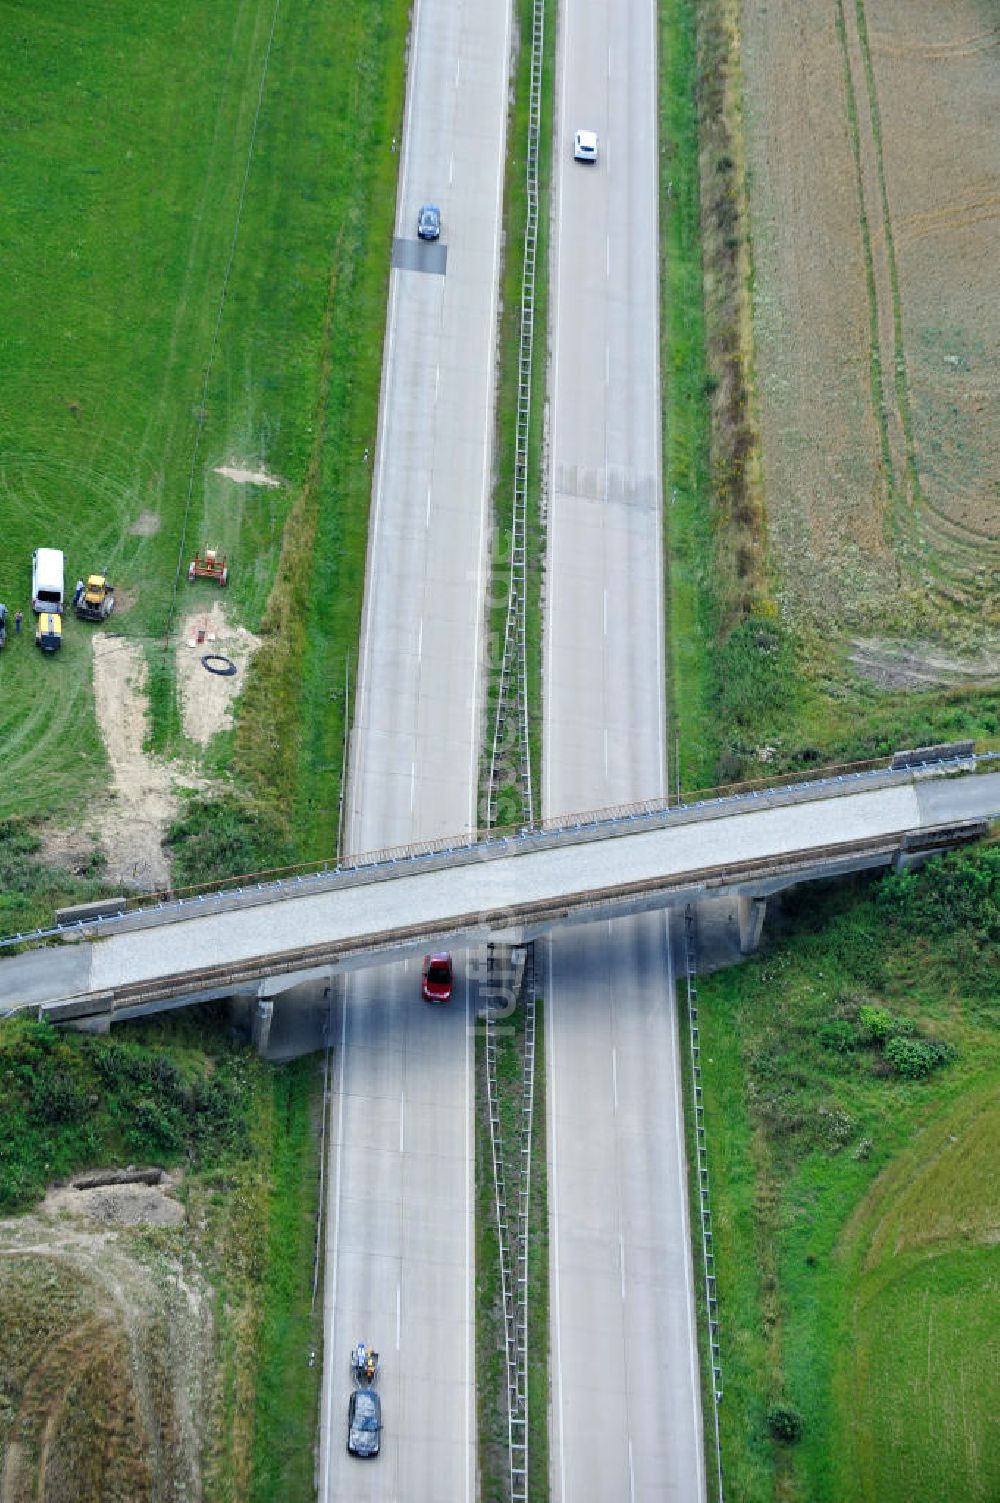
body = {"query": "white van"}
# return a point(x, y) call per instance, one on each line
point(47, 580)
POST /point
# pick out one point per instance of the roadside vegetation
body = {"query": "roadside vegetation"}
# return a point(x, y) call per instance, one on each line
point(491, 1369)
point(32, 887)
point(189, 1311)
point(851, 1091)
point(515, 213)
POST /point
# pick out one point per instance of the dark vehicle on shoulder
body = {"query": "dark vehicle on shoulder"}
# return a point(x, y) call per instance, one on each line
point(364, 1422)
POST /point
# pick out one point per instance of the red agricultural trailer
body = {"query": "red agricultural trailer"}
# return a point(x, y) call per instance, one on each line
point(209, 565)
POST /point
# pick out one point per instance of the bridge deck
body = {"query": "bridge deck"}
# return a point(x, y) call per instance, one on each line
point(271, 931)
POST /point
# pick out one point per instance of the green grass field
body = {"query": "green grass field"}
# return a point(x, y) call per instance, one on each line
point(916, 1384)
point(197, 211)
point(856, 1211)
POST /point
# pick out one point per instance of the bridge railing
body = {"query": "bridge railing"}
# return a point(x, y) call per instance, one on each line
point(449, 850)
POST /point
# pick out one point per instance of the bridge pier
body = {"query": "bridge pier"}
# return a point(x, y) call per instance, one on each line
point(750, 912)
point(260, 1029)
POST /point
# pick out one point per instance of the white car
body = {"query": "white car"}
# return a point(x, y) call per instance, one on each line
point(585, 146)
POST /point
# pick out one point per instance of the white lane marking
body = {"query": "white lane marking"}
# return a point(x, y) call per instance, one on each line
point(614, 1077)
point(402, 1109)
point(333, 1255)
point(427, 518)
point(605, 751)
point(631, 1473)
point(451, 170)
point(413, 784)
point(621, 1259)
point(399, 1312)
point(550, 1049)
point(437, 382)
point(420, 639)
point(458, 70)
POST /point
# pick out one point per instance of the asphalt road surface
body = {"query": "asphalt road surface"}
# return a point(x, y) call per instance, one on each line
point(399, 1264)
point(626, 1417)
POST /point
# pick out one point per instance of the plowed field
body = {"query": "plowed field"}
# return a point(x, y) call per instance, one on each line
point(875, 209)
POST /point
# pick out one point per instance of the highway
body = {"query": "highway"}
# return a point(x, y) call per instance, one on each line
point(399, 1235)
point(626, 1416)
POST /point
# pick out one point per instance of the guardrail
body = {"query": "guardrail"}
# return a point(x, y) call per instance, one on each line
point(512, 695)
point(454, 850)
point(513, 1248)
point(704, 1203)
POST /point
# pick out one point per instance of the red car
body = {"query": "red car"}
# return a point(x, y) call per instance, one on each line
point(438, 978)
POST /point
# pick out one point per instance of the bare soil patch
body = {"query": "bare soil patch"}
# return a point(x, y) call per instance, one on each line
point(875, 196)
point(919, 665)
point(243, 476)
point(132, 820)
point(106, 1340)
point(118, 1204)
point(146, 525)
point(207, 699)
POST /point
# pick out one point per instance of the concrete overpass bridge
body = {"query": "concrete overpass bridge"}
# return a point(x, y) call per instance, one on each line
point(261, 940)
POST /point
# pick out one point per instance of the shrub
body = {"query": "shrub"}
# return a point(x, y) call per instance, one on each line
point(913, 1058)
point(154, 1127)
point(876, 1024)
point(58, 1097)
point(226, 837)
point(837, 1034)
point(784, 1423)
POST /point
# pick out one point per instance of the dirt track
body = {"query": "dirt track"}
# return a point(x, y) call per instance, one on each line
point(874, 204)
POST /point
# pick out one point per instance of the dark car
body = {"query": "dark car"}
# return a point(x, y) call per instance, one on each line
point(429, 222)
point(364, 1422)
point(438, 978)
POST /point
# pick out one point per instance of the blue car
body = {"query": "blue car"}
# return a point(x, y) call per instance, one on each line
point(429, 222)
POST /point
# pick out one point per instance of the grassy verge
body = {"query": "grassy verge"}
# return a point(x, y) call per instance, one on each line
point(312, 621)
point(515, 213)
point(853, 1204)
point(491, 1373)
point(538, 1281)
point(289, 1370)
point(684, 382)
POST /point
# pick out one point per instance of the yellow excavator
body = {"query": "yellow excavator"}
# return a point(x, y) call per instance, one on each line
point(97, 600)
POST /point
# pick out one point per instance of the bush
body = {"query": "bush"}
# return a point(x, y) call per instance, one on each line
point(58, 1097)
point(838, 1035)
point(224, 837)
point(951, 893)
point(912, 1058)
point(784, 1423)
point(154, 1128)
point(875, 1023)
